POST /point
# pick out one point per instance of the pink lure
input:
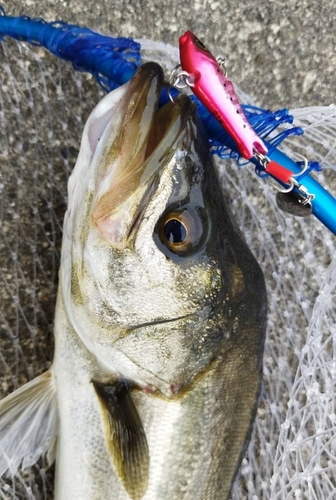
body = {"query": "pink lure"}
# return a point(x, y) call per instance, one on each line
point(217, 94)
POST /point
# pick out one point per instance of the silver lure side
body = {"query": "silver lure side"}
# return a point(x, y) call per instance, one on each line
point(160, 317)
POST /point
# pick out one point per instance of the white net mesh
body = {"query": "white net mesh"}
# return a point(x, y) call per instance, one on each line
point(44, 105)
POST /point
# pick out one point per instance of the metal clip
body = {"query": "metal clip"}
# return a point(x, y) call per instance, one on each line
point(179, 79)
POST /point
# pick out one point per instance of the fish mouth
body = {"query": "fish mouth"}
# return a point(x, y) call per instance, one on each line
point(156, 322)
point(131, 159)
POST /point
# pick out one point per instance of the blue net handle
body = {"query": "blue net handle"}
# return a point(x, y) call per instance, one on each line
point(113, 61)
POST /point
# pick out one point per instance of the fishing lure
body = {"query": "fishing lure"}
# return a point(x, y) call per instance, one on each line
point(210, 84)
point(206, 77)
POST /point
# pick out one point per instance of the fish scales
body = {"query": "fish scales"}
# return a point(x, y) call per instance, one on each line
point(160, 317)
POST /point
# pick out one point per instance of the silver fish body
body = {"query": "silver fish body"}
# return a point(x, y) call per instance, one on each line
point(161, 310)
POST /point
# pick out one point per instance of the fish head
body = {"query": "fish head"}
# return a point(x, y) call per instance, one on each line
point(154, 271)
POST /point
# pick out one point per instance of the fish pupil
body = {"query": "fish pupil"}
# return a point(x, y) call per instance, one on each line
point(174, 231)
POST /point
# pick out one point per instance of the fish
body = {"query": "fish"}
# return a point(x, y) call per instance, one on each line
point(210, 84)
point(160, 317)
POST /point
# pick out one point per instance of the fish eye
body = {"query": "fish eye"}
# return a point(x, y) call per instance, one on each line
point(181, 231)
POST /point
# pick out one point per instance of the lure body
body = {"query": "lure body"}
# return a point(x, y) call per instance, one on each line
point(216, 92)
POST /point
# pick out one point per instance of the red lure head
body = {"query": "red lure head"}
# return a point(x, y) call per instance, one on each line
point(192, 52)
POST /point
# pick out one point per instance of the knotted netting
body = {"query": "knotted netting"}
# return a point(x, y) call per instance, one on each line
point(44, 104)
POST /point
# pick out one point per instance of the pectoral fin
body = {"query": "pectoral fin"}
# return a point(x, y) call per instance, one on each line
point(28, 424)
point(125, 437)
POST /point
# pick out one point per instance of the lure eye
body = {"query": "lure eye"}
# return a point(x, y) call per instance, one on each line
point(201, 45)
point(181, 231)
